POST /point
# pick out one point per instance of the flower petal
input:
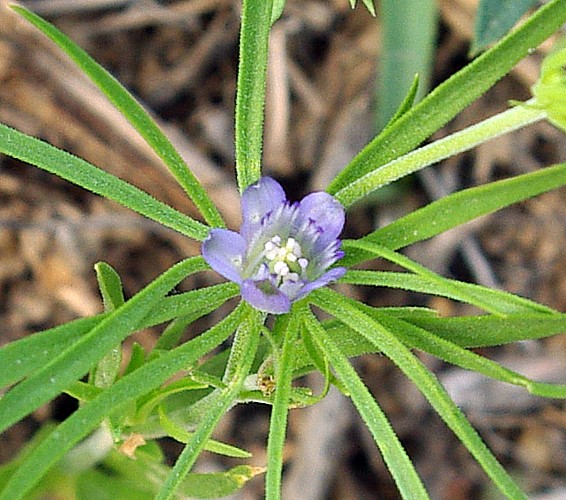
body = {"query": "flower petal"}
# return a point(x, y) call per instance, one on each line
point(224, 251)
point(325, 212)
point(327, 277)
point(259, 199)
point(274, 301)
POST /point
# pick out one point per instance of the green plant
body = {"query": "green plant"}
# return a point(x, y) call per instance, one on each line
point(270, 263)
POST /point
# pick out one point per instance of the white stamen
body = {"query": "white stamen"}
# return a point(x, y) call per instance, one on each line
point(287, 262)
point(280, 268)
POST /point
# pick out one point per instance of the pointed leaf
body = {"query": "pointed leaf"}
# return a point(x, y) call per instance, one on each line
point(86, 175)
point(453, 95)
point(124, 391)
point(134, 113)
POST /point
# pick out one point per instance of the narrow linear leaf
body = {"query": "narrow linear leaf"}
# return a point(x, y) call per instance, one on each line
point(427, 341)
point(24, 356)
point(453, 95)
point(441, 149)
point(398, 463)
point(368, 4)
point(124, 391)
point(407, 102)
point(73, 363)
point(459, 208)
point(464, 331)
point(180, 434)
point(108, 368)
point(449, 287)
point(134, 113)
point(250, 97)
point(278, 7)
point(110, 286)
point(239, 364)
point(502, 302)
point(218, 484)
point(388, 343)
point(86, 175)
point(489, 331)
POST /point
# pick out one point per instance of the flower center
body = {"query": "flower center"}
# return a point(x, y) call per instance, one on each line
point(285, 261)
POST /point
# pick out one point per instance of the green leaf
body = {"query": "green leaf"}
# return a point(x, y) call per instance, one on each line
point(122, 478)
point(82, 173)
point(277, 12)
point(241, 358)
point(150, 401)
point(110, 286)
point(408, 41)
point(368, 3)
point(464, 331)
point(488, 331)
point(464, 140)
point(550, 89)
point(82, 391)
point(478, 296)
point(392, 450)
point(427, 341)
point(458, 208)
point(494, 18)
point(250, 95)
point(137, 358)
point(124, 391)
point(501, 302)
point(178, 433)
point(453, 95)
point(388, 343)
point(24, 356)
point(406, 103)
point(218, 484)
point(75, 361)
point(134, 113)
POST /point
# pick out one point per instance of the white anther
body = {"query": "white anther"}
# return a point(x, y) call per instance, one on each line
point(280, 268)
point(291, 257)
point(303, 263)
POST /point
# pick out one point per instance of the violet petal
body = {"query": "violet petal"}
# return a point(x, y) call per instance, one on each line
point(224, 251)
point(274, 303)
point(327, 277)
point(259, 199)
point(326, 212)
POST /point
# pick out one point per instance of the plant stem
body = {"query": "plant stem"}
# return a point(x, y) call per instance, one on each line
point(505, 122)
point(241, 359)
point(278, 422)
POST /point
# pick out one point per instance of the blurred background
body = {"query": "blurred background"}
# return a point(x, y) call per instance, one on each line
point(325, 101)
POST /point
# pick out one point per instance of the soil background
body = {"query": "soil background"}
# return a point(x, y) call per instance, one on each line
point(180, 59)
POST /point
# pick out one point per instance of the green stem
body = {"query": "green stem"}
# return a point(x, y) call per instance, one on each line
point(278, 423)
point(505, 122)
point(241, 359)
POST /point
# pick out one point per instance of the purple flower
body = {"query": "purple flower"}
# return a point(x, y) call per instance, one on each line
point(283, 249)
